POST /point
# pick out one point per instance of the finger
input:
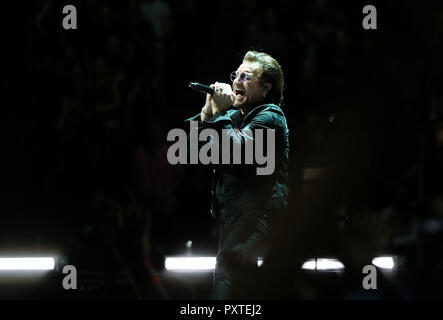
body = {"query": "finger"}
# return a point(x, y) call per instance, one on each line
point(228, 92)
point(227, 89)
point(215, 86)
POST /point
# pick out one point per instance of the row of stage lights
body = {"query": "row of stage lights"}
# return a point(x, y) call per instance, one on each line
point(185, 264)
point(206, 264)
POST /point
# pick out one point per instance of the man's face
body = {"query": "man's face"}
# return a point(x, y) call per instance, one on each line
point(248, 92)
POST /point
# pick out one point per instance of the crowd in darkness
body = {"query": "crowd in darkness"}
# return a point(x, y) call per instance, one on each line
point(365, 104)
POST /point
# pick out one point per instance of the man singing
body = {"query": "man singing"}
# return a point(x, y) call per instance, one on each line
point(247, 205)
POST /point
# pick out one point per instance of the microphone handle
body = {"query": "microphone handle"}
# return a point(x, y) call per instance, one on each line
point(201, 88)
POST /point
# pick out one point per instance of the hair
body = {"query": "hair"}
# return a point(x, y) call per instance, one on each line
point(272, 73)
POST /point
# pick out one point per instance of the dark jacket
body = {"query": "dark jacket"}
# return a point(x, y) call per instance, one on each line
point(237, 188)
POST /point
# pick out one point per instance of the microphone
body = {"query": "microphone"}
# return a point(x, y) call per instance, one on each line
point(201, 88)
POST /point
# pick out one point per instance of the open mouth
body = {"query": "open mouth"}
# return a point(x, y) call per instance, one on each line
point(239, 93)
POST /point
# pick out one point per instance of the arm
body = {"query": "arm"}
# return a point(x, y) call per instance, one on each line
point(256, 142)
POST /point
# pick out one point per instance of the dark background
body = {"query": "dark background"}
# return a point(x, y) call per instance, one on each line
point(86, 113)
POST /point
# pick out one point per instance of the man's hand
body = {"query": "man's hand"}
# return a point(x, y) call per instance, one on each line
point(222, 98)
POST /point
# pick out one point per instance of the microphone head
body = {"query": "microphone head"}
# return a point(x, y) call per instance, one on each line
point(194, 85)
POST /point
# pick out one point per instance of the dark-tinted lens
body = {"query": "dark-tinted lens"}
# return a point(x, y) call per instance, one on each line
point(243, 76)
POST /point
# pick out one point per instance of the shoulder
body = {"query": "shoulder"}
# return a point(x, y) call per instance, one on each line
point(274, 109)
point(266, 111)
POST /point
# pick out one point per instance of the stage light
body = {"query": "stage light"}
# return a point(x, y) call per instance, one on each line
point(194, 264)
point(384, 262)
point(309, 265)
point(190, 264)
point(259, 262)
point(329, 264)
point(22, 263)
point(323, 264)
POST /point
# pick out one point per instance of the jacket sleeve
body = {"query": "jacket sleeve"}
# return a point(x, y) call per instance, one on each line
point(222, 123)
point(265, 120)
